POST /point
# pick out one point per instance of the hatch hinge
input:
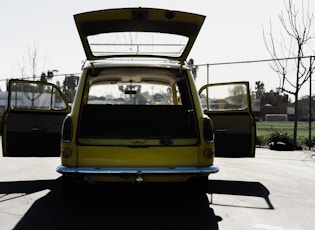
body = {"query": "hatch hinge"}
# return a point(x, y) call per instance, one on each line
point(93, 73)
point(181, 68)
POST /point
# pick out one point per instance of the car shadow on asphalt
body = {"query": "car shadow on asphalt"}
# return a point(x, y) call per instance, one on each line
point(125, 207)
point(113, 207)
point(242, 188)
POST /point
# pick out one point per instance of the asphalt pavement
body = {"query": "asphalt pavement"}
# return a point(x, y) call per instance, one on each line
point(274, 191)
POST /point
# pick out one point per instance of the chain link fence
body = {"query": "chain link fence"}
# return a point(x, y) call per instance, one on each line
point(266, 131)
point(272, 121)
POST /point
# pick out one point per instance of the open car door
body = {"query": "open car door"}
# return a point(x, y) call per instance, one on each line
point(33, 120)
point(229, 107)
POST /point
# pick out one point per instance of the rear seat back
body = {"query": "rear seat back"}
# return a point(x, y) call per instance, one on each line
point(136, 121)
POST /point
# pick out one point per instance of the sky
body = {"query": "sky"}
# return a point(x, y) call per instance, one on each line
point(232, 31)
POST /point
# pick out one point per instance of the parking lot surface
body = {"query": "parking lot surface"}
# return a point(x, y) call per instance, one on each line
point(275, 190)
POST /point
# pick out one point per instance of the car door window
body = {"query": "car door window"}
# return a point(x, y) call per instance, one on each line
point(35, 96)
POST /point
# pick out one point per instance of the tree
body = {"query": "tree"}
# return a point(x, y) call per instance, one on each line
point(297, 26)
point(32, 55)
point(45, 77)
point(69, 86)
point(193, 67)
point(274, 98)
point(27, 66)
point(238, 94)
point(260, 89)
point(304, 104)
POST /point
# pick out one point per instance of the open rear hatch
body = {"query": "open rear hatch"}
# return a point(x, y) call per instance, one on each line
point(138, 32)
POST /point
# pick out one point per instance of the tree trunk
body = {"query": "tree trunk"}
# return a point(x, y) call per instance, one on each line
point(296, 94)
point(295, 117)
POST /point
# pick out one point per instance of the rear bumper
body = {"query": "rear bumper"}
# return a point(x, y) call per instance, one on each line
point(138, 171)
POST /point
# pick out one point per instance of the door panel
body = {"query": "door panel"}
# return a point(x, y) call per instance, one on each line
point(33, 120)
point(228, 105)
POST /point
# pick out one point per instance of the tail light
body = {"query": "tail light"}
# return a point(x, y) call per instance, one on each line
point(66, 131)
point(208, 129)
point(209, 153)
point(66, 153)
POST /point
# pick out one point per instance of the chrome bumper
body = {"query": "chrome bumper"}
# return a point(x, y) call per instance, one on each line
point(179, 170)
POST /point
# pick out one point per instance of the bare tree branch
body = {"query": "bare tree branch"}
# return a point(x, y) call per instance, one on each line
point(32, 54)
point(297, 24)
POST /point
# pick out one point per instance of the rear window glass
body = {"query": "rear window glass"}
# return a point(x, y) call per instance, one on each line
point(133, 94)
point(137, 43)
point(136, 86)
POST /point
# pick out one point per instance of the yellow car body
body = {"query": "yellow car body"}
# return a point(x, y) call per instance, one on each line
point(135, 135)
point(124, 159)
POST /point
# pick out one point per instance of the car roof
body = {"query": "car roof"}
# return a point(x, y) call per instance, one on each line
point(138, 32)
point(158, 63)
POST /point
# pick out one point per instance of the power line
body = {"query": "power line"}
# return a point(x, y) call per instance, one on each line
point(38, 77)
point(254, 61)
point(213, 64)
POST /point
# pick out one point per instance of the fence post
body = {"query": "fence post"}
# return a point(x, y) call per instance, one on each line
point(207, 74)
point(310, 109)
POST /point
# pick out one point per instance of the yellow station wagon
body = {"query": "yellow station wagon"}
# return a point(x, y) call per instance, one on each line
point(137, 115)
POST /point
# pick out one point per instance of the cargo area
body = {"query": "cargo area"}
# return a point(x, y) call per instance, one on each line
point(137, 121)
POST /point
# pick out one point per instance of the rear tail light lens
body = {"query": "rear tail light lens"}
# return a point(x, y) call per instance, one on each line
point(209, 153)
point(208, 129)
point(66, 153)
point(66, 132)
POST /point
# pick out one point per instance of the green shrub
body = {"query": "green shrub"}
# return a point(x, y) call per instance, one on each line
point(261, 141)
point(282, 137)
point(282, 141)
point(307, 142)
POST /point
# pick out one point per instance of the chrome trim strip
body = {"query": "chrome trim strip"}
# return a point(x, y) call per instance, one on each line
point(179, 170)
